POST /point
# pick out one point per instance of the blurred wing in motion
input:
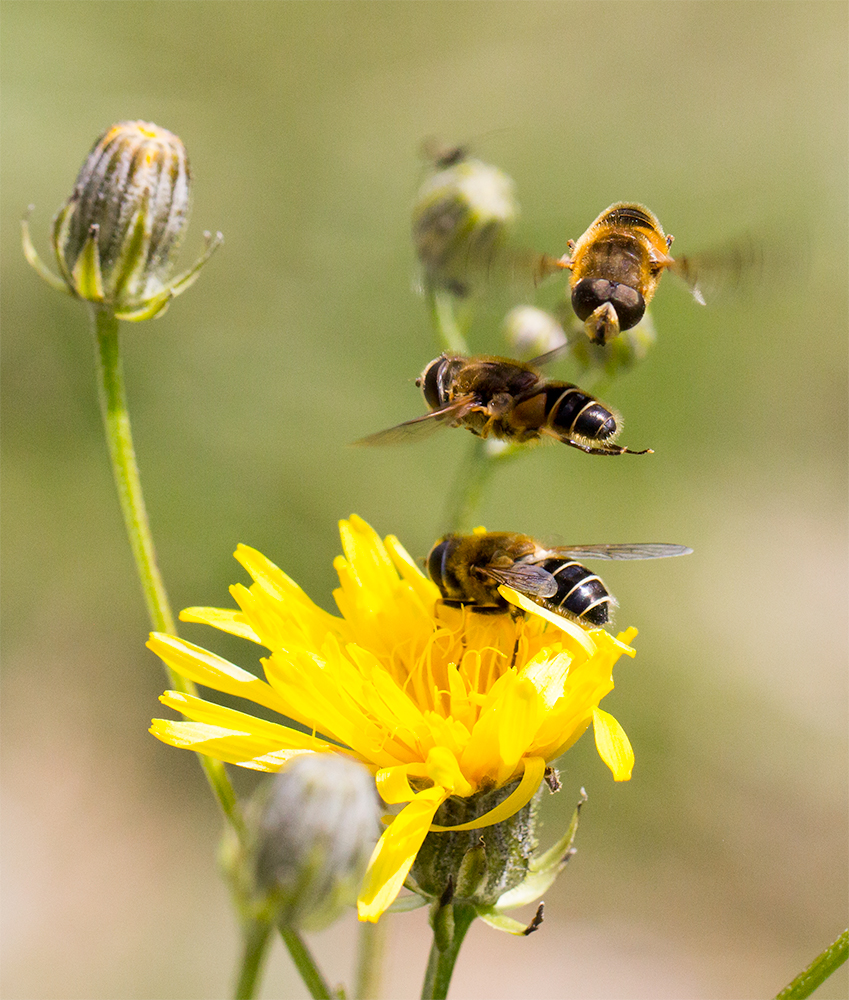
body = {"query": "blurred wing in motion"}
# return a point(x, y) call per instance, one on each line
point(732, 268)
point(421, 427)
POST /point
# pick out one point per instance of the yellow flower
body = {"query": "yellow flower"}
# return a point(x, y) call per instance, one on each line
point(436, 701)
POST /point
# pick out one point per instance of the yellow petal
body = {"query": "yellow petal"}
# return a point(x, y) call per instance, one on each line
point(227, 619)
point(244, 749)
point(212, 671)
point(393, 784)
point(285, 737)
point(579, 634)
point(516, 800)
point(443, 769)
point(395, 852)
point(521, 714)
point(613, 745)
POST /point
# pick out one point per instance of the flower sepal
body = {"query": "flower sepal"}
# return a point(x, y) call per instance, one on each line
point(499, 921)
point(543, 869)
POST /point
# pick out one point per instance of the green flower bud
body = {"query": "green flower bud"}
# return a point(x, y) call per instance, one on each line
point(531, 332)
point(461, 217)
point(116, 236)
point(312, 829)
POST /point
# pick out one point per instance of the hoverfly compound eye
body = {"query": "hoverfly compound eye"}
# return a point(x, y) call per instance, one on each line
point(429, 383)
point(435, 564)
point(589, 294)
point(629, 305)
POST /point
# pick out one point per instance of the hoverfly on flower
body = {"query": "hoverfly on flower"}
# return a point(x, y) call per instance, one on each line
point(475, 569)
point(437, 701)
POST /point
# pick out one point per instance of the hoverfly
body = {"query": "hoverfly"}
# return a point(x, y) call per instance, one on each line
point(470, 569)
point(511, 401)
point(617, 263)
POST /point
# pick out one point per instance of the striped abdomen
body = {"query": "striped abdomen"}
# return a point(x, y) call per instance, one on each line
point(579, 592)
point(571, 412)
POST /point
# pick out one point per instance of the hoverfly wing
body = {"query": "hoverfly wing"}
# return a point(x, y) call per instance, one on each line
point(533, 581)
point(421, 427)
point(731, 268)
point(549, 356)
point(648, 550)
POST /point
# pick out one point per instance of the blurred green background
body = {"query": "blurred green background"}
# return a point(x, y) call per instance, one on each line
point(720, 869)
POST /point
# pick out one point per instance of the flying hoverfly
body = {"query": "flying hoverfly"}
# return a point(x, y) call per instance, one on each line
point(617, 263)
point(511, 401)
point(470, 569)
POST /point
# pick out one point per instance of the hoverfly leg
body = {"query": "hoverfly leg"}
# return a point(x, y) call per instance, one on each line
point(515, 653)
point(610, 450)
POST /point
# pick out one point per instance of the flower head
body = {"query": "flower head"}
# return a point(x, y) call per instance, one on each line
point(461, 218)
point(436, 701)
point(116, 236)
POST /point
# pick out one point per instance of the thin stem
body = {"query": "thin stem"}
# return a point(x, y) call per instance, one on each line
point(370, 948)
point(257, 936)
point(305, 964)
point(464, 500)
point(450, 923)
point(113, 404)
point(116, 422)
point(444, 317)
point(473, 476)
point(818, 971)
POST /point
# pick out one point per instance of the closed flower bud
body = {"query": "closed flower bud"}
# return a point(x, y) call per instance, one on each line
point(531, 331)
point(312, 829)
point(116, 236)
point(461, 217)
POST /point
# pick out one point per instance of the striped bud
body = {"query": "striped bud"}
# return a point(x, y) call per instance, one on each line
point(115, 238)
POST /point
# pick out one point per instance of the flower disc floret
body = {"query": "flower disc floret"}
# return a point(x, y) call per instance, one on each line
point(436, 701)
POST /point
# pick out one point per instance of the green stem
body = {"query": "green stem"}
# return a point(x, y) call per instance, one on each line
point(818, 971)
point(450, 923)
point(254, 952)
point(464, 499)
point(116, 421)
point(473, 476)
point(305, 964)
point(444, 317)
point(372, 941)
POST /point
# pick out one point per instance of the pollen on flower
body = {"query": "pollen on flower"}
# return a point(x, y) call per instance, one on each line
point(436, 701)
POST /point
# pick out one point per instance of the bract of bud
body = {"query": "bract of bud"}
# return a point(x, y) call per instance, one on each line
point(476, 866)
point(116, 236)
point(531, 331)
point(461, 217)
point(311, 831)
